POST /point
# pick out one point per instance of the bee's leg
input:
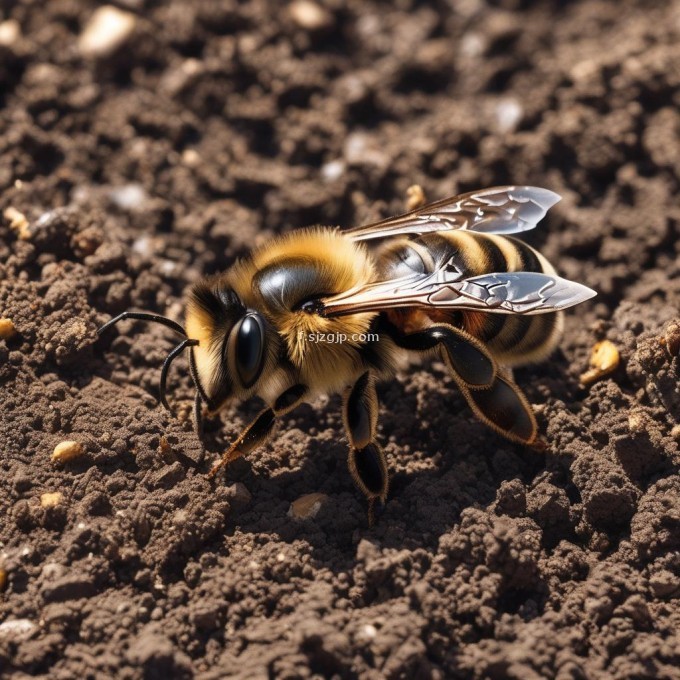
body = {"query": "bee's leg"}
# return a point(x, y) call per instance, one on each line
point(495, 398)
point(504, 408)
point(259, 430)
point(366, 459)
point(197, 415)
point(470, 362)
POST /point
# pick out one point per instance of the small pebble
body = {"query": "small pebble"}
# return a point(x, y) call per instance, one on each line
point(67, 450)
point(509, 113)
point(129, 196)
point(369, 631)
point(191, 158)
point(7, 329)
point(107, 29)
point(51, 500)
point(332, 170)
point(17, 630)
point(10, 32)
point(307, 506)
point(309, 15)
point(238, 496)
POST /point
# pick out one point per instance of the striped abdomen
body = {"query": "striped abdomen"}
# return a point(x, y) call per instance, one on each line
point(512, 339)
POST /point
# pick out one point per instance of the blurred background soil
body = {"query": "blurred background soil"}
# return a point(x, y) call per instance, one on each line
point(148, 144)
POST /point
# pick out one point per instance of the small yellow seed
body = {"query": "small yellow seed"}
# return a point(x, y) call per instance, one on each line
point(51, 500)
point(415, 197)
point(67, 450)
point(18, 223)
point(7, 329)
point(307, 506)
point(604, 360)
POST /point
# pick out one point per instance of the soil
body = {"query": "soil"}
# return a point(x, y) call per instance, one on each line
point(140, 158)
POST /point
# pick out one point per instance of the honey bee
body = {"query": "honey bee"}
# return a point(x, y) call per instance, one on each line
point(445, 280)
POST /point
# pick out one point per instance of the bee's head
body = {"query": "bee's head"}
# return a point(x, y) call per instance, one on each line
point(233, 343)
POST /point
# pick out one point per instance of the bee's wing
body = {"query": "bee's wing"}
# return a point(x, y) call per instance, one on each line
point(500, 210)
point(499, 292)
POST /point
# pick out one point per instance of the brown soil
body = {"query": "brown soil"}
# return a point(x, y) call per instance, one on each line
point(212, 125)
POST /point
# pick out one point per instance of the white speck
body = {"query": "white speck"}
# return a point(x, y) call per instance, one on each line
point(52, 570)
point(509, 112)
point(167, 267)
point(332, 170)
point(17, 629)
point(190, 157)
point(253, 565)
point(309, 15)
point(81, 525)
point(129, 196)
point(107, 29)
point(191, 66)
point(143, 246)
point(369, 25)
point(281, 557)
point(472, 45)
point(10, 31)
point(358, 149)
point(369, 631)
point(355, 145)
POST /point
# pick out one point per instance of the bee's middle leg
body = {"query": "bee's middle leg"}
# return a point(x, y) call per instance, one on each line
point(259, 430)
point(366, 460)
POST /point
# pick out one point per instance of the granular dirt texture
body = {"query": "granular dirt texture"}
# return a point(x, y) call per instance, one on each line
point(138, 157)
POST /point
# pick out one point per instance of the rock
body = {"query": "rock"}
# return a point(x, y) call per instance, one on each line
point(307, 506)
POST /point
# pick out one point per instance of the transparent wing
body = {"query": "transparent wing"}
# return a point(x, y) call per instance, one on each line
point(499, 292)
point(499, 210)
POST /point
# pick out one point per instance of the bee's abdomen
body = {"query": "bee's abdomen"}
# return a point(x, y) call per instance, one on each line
point(512, 339)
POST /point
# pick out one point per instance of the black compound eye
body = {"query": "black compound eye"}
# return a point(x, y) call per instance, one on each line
point(250, 349)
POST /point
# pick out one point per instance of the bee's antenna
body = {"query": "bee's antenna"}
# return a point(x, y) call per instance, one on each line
point(143, 316)
point(166, 367)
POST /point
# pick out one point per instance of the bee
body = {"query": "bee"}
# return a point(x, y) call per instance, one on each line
point(446, 280)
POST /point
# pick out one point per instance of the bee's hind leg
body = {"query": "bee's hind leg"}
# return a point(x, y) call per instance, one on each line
point(504, 408)
point(491, 393)
point(260, 429)
point(366, 459)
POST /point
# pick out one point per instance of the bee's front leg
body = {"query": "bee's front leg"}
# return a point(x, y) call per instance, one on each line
point(261, 428)
point(366, 459)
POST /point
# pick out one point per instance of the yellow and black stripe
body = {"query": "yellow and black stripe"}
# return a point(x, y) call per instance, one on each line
point(512, 339)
